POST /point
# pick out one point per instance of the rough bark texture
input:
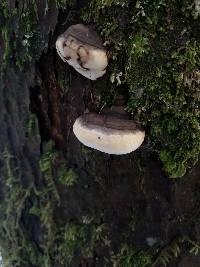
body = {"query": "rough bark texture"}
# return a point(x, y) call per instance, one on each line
point(63, 204)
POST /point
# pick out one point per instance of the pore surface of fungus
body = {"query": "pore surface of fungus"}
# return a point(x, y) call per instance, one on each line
point(109, 134)
point(82, 48)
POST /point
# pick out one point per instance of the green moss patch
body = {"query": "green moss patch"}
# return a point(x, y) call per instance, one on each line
point(154, 56)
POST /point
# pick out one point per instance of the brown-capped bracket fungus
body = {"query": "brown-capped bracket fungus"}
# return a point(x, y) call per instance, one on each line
point(82, 48)
point(110, 132)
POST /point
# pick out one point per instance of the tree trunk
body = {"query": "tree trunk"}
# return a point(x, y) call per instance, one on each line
point(63, 204)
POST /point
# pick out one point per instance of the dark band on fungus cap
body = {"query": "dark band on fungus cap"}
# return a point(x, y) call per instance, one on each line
point(109, 121)
point(85, 35)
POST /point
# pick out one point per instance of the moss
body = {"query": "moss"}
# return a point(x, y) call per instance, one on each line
point(158, 255)
point(71, 240)
point(31, 126)
point(30, 38)
point(153, 66)
point(5, 36)
point(67, 177)
point(61, 242)
point(158, 72)
point(194, 246)
point(63, 4)
point(27, 38)
point(5, 33)
point(128, 257)
point(15, 243)
point(17, 246)
point(168, 107)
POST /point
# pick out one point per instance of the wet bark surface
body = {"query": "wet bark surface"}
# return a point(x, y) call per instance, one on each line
point(134, 198)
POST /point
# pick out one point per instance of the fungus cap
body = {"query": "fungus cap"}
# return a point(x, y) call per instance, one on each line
point(82, 48)
point(108, 134)
point(85, 35)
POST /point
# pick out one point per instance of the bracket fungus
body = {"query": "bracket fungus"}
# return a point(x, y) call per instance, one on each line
point(83, 49)
point(108, 133)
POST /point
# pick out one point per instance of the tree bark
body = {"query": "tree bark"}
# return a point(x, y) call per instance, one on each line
point(115, 206)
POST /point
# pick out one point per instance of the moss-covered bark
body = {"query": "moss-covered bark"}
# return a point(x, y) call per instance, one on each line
point(155, 54)
point(63, 204)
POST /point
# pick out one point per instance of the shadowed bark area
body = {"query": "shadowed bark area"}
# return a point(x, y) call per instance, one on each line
point(63, 204)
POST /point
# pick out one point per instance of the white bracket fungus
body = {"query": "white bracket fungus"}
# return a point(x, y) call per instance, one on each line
point(108, 133)
point(83, 49)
